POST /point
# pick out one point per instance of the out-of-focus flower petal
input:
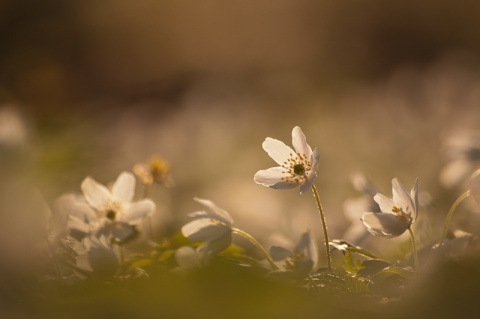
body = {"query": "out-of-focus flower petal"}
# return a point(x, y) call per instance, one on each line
point(187, 257)
point(279, 253)
point(119, 230)
point(385, 203)
point(204, 229)
point(414, 196)
point(402, 198)
point(222, 214)
point(384, 225)
point(475, 186)
point(95, 194)
point(139, 210)
point(123, 189)
point(210, 248)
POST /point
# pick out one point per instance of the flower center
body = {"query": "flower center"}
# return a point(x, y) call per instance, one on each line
point(111, 214)
point(297, 167)
point(111, 209)
point(401, 214)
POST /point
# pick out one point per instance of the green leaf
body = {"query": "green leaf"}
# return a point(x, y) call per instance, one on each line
point(344, 246)
point(394, 271)
point(372, 266)
point(324, 278)
point(356, 285)
point(141, 263)
point(350, 264)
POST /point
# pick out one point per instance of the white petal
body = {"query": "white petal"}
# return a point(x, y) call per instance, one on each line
point(475, 186)
point(402, 198)
point(202, 214)
point(224, 216)
point(299, 142)
point(279, 253)
point(119, 230)
point(384, 225)
point(353, 208)
point(312, 174)
point(187, 258)
point(204, 230)
point(78, 229)
point(210, 248)
point(83, 212)
point(307, 246)
point(95, 194)
point(277, 150)
point(139, 210)
point(356, 233)
point(455, 172)
point(272, 177)
point(103, 260)
point(314, 158)
point(124, 187)
point(385, 203)
point(414, 197)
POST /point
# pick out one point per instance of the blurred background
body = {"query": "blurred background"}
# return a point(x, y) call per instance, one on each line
point(90, 88)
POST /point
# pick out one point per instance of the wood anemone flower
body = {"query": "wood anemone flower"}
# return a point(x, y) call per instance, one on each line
point(397, 214)
point(297, 167)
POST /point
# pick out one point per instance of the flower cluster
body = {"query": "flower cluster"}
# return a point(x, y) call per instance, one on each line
point(101, 233)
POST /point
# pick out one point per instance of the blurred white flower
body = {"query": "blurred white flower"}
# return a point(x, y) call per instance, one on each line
point(353, 208)
point(397, 214)
point(97, 256)
point(297, 168)
point(296, 261)
point(109, 212)
point(463, 152)
point(13, 130)
point(188, 258)
point(214, 228)
point(58, 217)
point(475, 186)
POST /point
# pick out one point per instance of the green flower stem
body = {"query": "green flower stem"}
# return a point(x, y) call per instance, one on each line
point(324, 226)
point(450, 213)
point(256, 243)
point(414, 248)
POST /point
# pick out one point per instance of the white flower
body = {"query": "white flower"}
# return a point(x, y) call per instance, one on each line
point(214, 228)
point(397, 215)
point(109, 212)
point(97, 256)
point(475, 186)
point(463, 150)
point(353, 208)
point(297, 168)
point(188, 258)
point(297, 260)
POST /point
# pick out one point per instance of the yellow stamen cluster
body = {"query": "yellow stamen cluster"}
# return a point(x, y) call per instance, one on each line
point(111, 209)
point(297, 168)
point(156, 171)
point(401, 214)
